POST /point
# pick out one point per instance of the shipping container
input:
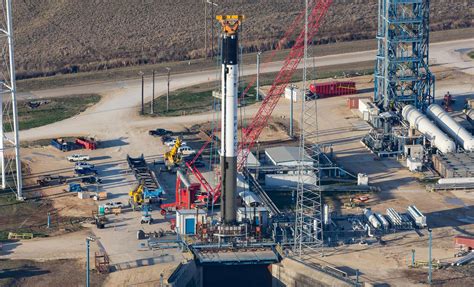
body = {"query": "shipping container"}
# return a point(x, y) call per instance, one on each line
point(62, 145)
point(331, 89)
point(86, 143)
point(467, 242)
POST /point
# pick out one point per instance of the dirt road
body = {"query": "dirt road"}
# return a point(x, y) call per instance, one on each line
point(116, 114)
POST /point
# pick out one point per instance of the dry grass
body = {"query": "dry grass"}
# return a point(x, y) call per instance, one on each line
point(68, 36)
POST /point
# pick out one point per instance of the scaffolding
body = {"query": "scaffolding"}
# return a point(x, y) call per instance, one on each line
point(309, 229)
point(402, 74)
point(10, 164)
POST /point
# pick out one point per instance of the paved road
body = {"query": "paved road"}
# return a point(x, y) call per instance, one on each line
point(117, 112)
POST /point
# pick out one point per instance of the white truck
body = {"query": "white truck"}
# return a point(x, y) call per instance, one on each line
point(78, 157)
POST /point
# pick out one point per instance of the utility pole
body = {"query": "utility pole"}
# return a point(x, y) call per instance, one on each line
point(168, 91)
point(205, 29)
point(143, 90)
point(153, 94)
point(212, 26)
point(88, 240)
point(430, 264)
point(258, 76)
point(9, 142)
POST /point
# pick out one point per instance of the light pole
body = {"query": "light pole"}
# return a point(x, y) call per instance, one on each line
point(168, 92)
point(88, 240)
point(143, 88)
point(153, 94)
point(430, 265)
point(292, 88)
point(258, 76)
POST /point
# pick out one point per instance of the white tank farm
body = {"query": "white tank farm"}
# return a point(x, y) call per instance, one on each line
point(421, 122)
point(451, 127)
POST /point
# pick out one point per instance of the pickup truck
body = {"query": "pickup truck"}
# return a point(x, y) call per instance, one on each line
point(172, 142)
point(78, 157)
point(48, 180)
point(82, 165)
point(186, 150)
point(85, 171)
point(160, 132)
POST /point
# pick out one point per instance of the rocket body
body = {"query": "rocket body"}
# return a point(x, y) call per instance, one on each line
point(230, 85)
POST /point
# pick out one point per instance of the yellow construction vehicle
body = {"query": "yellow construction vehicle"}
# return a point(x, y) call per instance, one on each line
point(173, 157)
point(136, 195)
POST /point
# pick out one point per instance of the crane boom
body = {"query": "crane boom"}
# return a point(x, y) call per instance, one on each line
point(261, 118)
point(291, 63)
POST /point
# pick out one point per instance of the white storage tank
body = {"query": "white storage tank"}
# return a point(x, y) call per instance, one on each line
point(456, 180)
point(451, 127)
point(382, 219)
point(372, 218)
point(421, 122)
point(362, 179)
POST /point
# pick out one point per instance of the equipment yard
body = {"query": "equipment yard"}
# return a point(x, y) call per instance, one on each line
point(354, 180)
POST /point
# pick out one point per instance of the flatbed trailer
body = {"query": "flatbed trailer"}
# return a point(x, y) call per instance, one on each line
point(143, 174)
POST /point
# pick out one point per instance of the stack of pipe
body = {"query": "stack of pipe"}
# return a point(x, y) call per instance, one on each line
point(394, 217)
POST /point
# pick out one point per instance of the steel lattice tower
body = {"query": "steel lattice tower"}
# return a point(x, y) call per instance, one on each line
point(9, 143)
point(309, 231)
point(402, 74)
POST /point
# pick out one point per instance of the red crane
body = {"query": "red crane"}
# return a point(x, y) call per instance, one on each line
point(261, 118)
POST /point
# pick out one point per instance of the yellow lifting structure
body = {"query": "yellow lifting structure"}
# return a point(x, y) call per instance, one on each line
point(230, 23)
point(173, 157)
point(136, 194)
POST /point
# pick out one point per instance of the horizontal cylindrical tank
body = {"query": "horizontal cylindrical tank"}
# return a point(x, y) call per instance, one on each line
point(456, 180)
point(451, 127)
point(372, 218)
point(382, 219)
point(421, 122)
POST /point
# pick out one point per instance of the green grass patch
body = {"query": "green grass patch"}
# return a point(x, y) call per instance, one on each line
point(190, 101)
point(51, 110)
point(471, 54)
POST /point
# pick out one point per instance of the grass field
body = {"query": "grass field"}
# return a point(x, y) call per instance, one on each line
point(131, 72)
point(70, 36)
point(188, 101)
point(62, 272)
point(56, 109)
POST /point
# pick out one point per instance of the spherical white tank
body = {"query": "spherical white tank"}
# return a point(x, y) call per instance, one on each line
point(450, 126)
point(421, 122)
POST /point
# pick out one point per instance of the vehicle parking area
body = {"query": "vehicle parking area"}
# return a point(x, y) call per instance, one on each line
point(109, 162)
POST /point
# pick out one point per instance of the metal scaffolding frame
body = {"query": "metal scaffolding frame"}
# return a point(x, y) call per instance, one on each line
point(402, 74)
point(309, 228)
point(10, 163)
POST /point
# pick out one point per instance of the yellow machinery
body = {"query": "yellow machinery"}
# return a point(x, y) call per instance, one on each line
point(136, 195)
point(173, 157)
point(230, 23)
